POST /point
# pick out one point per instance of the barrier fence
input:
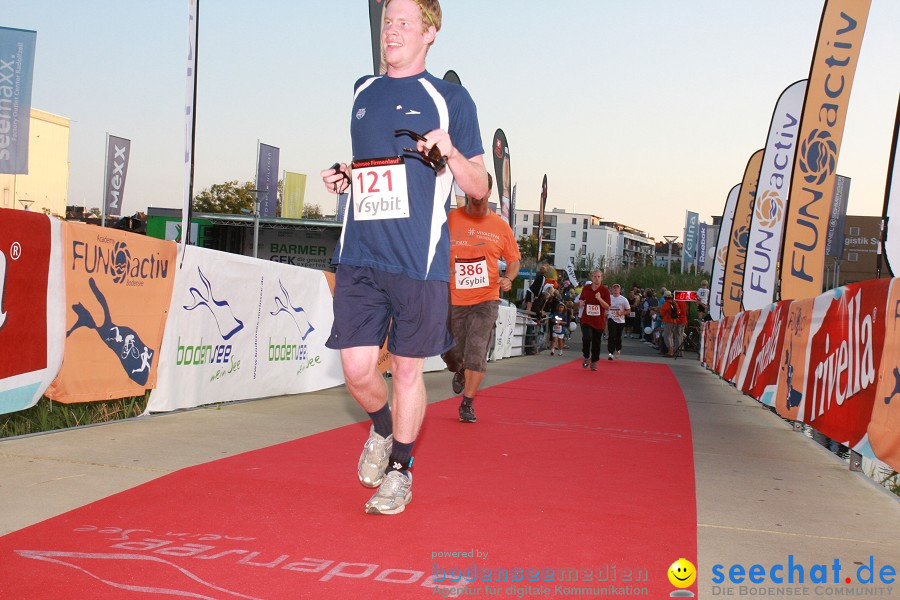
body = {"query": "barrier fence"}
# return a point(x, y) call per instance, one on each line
point(90, 314)
point(831, 362)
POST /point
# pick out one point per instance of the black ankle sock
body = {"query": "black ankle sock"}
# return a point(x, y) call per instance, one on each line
point(381, 419)
point(401, 456)
point(467, 400)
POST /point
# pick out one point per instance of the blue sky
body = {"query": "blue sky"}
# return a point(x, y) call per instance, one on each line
point(635, 110)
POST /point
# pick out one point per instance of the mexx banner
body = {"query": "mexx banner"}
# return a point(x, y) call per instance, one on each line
point(689, 248)
point(118, 151)
point(717, 284)
point(267, 180)
point(31, 307)
point(242, 328)
point(118, 287)
point(540, 224)
point(16, 75)
point(294, 191)
point(891, 212)
point(502, 175)
point(736, 258)
point(767, 224)
point(821, 131)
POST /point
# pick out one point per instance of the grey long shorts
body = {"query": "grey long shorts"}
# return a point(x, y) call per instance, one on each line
point(472, 328)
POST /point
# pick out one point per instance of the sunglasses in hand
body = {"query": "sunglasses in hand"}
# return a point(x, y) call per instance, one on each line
point(433, 157)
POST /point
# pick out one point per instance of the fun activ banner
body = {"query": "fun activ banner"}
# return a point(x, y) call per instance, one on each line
point(118, 287)
point(821, 130)
point(32, 321)
point(767, 224)
point(242, 328)
point(717, 281)
point(16, 75)
point(735, 260)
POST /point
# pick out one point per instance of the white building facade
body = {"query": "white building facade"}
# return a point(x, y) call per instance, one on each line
point(586, 240)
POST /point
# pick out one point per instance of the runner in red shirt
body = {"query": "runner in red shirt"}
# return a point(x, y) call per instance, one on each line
point(594, 299)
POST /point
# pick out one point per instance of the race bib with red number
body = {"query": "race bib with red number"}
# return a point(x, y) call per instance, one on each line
point(379, 189)
point(471, 273)
point(593, 310)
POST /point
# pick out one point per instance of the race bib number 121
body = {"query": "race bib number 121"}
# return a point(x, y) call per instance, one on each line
point(379, 189)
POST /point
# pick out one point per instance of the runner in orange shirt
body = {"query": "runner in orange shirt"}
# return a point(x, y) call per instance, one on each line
point(479, 238)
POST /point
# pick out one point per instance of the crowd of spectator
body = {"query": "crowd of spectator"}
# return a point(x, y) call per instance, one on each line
point(654, 317)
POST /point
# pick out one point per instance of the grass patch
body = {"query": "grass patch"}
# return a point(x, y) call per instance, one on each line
point(48, 415)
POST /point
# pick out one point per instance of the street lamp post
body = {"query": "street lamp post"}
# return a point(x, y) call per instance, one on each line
point(670, 239)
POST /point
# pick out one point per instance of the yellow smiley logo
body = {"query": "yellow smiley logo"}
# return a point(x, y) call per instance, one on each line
point(682, 573)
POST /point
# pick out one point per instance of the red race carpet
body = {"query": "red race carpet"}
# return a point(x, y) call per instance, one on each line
point(571, 479)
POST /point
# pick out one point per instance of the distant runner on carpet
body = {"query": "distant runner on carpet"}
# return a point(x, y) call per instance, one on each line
point(478, 239)
point(594, 299)
point(394, 250)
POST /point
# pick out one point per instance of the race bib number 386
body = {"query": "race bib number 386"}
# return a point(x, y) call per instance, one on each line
point(379, 189)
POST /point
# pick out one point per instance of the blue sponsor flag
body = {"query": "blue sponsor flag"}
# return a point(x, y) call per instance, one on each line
point(689, 248)
point(16, 74)
point(267, 180)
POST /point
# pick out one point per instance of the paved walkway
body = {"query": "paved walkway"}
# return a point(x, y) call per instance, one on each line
point(763, 491)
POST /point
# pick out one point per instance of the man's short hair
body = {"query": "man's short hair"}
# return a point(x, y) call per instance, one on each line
point(431, 12)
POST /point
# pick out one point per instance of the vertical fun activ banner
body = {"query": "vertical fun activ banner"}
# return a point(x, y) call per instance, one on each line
point(267, 180)
point(118, 152)
point(16, 75)
point(767, 225)
point(821, 131)
point(502, 175)
point(717, 281)
point(736, 258)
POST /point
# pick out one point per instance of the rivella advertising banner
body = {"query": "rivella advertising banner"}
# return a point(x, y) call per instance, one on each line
point(735, 261)
point(118, 285)
point(767, 225)
point(242, 328)
point(821, 130)
point(16, 75)
point(31, 307)
point(717, 281)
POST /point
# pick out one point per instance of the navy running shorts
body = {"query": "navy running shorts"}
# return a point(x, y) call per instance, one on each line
point(370, 304)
